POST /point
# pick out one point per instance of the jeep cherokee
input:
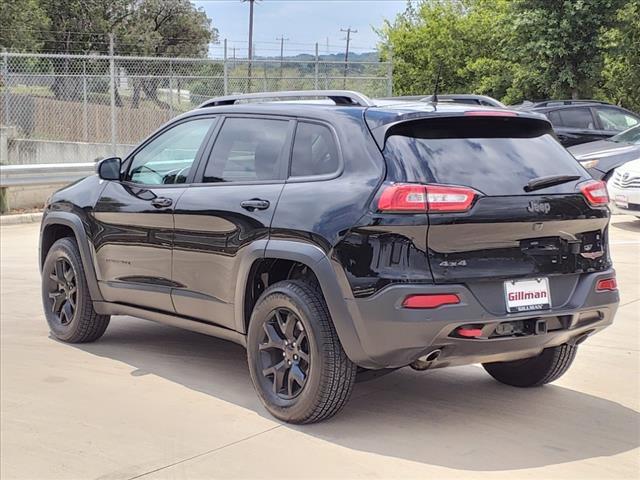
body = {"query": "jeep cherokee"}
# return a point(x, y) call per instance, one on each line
point(340, 235)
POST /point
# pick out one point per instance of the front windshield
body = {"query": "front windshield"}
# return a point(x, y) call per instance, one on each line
point(628, 136)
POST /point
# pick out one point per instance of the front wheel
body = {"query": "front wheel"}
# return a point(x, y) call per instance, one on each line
point(547, 367)
point(65, 296)
point(296, 361)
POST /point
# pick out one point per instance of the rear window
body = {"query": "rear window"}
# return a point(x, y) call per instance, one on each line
point(497, 156)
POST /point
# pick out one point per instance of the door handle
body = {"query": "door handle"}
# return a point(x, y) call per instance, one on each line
point(161, 202)
point(255, 204)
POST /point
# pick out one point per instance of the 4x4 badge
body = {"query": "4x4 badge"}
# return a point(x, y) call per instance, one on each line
point(539, 207)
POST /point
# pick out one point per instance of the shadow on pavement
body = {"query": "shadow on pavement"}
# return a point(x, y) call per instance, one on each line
point(632, 226)
point(457, 418)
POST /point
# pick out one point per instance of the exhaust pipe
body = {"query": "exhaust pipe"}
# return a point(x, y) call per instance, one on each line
point(424, 362)
point(575, 341)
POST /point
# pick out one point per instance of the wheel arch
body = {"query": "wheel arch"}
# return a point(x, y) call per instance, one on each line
point(321, 268)
point(56, 225)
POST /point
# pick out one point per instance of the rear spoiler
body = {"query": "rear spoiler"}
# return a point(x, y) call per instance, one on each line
point(467, 124)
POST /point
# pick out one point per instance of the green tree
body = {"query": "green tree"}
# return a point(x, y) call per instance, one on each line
point(425, 38)
point(140, 27)
point(83, 26)
point(163, 28)
point(621, 73)
point(466, 40)
point(22, 23)
point(80, 26)
point(558, 41)
point(519, 49)
point(168, 28)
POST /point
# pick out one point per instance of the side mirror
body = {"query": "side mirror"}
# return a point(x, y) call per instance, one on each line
point(109, 168)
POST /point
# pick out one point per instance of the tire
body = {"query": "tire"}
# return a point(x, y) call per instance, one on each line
point(547, 367)
point(319, 380)
point(65, 296)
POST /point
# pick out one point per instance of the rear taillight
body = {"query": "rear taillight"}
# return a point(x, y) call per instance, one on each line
point(607, 285)
point(445, 198)
point(595, 192)
point(403, 197)
point(430, 300)
point(410, 197)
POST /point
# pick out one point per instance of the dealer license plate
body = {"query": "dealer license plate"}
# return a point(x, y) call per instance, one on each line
point(527, 295)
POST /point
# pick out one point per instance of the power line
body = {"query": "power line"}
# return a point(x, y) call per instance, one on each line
point(83, 42)
point(71, 32)
point(218, 42)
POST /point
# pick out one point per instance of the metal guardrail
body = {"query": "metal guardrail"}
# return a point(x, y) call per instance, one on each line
point(44, 174)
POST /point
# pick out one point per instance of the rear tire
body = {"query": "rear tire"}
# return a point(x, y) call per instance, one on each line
point(547, 367)
point(65, 296)
point(297, 364)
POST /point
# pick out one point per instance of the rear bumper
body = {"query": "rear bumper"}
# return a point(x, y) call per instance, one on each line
point(392, 336)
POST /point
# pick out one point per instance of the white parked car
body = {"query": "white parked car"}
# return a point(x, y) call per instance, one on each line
point(624, 188)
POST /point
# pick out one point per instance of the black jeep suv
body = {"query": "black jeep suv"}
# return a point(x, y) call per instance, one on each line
point(331, 237)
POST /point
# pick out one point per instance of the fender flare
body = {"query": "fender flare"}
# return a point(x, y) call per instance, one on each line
point(75, 223)
point(331, 284)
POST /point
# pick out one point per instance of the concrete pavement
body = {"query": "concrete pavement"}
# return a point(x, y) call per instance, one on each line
point(149, 401)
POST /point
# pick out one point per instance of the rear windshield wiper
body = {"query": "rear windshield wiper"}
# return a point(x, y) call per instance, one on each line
point(544, 182)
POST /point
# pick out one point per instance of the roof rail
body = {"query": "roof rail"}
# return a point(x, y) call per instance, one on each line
point(557, 103)
point(340, 97)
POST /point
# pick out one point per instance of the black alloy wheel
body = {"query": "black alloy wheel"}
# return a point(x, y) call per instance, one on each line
point(63, 291)
point(67, 302)
point(296, 361)
point(285, 355)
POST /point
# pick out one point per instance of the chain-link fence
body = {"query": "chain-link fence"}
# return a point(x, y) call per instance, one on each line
point(120, 100)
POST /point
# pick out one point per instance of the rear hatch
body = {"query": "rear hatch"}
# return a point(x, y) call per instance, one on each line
point(530, 211)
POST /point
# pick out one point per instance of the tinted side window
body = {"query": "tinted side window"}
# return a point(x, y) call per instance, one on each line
point(576, 118)
point(615, 120)
point(314, 151)
point(466, 101)
point(168, 157)
point(248, 149)
point(554, 118)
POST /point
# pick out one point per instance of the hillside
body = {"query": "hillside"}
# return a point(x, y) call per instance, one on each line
point(333, 57)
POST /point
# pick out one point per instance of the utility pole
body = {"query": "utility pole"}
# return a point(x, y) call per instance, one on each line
point(282, 40)
point(251, 2)
point(348, 31)
point(225, 87)
point(315, 75)
point(112, 92)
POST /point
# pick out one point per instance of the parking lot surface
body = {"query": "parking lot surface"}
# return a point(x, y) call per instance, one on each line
point(150, 401)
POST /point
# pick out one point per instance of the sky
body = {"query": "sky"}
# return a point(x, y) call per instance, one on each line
point(304, 22)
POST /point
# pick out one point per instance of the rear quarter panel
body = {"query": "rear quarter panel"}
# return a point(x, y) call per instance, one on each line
point(322, 212)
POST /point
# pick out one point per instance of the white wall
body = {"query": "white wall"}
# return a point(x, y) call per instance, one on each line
point(19, 151)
